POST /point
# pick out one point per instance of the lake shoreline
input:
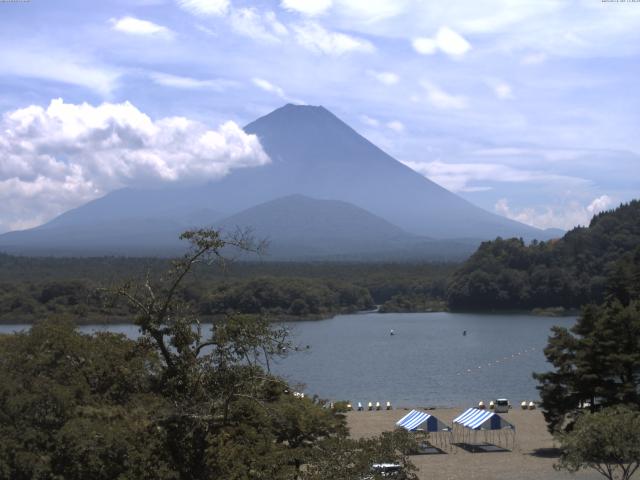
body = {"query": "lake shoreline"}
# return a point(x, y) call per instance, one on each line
point(557, 312)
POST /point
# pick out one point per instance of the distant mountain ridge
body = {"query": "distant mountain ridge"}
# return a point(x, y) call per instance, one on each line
point(303, 228)
point(313, 154)
point(318, 227)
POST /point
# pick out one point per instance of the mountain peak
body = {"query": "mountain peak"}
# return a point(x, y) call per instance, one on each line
point(292, 116)
point(290, 107)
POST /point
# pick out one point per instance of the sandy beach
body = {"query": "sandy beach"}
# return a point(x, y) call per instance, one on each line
point(532, 458)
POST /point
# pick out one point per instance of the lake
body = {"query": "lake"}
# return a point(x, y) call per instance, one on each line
point(427, 362)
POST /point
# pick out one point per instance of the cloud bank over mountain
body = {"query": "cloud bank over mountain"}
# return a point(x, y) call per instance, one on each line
point(58, 157)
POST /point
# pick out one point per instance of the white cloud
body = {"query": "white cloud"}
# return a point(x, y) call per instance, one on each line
point(441, 99)
point(136, 26)
point(424, 45)
point(599, 204)
point(372, 122)
point(546, 154)
point(451, 43)
point(49, 63)
point(533, 59)
point(215, 8)
point(367, 12)
point(554, 216)
point(501, 89)
point(259, 26)
point(396, 126)
point(516, 27)
point(386, 78)
point(314, 37)
point(206, 30)
point(61, 156)
point(460, 177)
point(446, 40)
point(188, 83)
point(267, 86)
point(307, 7)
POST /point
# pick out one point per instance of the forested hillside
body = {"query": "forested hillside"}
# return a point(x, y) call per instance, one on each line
point(32, 289)
point(569, 272)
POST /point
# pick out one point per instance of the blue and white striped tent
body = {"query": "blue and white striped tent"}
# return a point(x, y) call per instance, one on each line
point(493, 429)
point(423, 422)
point(477, 419)
point(417, 420)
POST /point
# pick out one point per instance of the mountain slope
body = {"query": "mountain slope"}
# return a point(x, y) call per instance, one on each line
point(318, 227)
point(313, 153)
point(125, 222)
point(299, 227)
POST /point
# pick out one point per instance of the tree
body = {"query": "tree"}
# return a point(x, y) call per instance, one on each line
point(342, 458)
point(596, 363)
point(179, 403)
point(607, 441)
point(218, 385)
point(506, 274)
point(76, 406)
point(230, 418)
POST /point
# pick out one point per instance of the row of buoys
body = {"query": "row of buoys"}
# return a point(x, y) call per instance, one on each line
point(524, 405)
point(498, 361)
point(370, 406)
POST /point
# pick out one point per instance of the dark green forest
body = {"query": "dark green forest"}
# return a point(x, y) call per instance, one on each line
point(507, 274)
point(32, 288)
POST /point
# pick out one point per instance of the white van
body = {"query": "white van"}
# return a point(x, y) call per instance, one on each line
point(502, 405)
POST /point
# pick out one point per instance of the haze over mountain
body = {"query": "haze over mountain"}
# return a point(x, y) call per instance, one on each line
point(314, 154)
point(299, 227)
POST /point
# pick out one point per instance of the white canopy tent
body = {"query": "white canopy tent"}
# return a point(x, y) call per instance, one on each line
point(494, 429)
point(423, 422)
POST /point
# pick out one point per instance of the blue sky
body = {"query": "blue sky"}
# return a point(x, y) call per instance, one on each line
point(530, 109)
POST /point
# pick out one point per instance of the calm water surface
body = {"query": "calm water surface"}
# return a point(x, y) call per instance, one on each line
point(428, 362)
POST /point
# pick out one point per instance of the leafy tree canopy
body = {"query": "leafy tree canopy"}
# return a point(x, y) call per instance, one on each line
point(606, 441)
point(597, 361)
point(569, 272)
point(183, 402)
